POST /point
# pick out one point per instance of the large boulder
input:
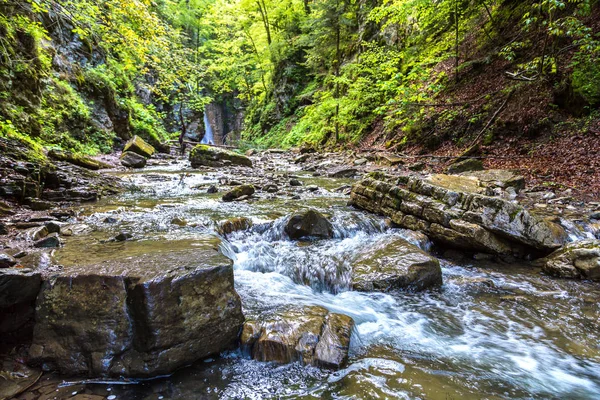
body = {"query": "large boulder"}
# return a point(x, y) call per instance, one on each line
point(137, 145)
point(394, 263)
point(457, 211)
point(308, 224)
point(579, 260)
point(130, 159)
point(144, 310)
point(311, 335)
point(209, 156)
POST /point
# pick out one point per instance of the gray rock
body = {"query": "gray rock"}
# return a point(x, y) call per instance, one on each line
point(141, 312)
point(238, 192)
point(360, 161)
point(295, 182)
point(308, 224)
point(393, 263)
point(130, 159)
point(311, 335)
point(579, 260)
point(50, 241)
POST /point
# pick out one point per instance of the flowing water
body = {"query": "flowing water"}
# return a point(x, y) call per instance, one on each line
point(492, 331)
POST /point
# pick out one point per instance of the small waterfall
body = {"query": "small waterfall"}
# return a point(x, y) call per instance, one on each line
point(208, 133)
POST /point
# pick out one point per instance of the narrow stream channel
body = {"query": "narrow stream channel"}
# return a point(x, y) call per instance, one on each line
point(491, 331)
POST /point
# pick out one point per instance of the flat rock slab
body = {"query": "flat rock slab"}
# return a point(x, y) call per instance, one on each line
point(309, 334)
point(394, 263)
point(136, 309)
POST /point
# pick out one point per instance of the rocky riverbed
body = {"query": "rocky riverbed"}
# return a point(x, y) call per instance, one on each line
point(256, 276)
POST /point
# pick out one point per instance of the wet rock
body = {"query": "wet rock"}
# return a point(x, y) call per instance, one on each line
point(212, 189)
point(454, 210)
point(130, 159)
point(395, 264)
point(342, 172)
point(238, 192)
point(3, 229)
point(144, 311)
point(312, 188)
point(360, 161)
point(579, 260)
point(295, 182)
point(595, 215)
point(469, 164)
point(77, 159)
point(203, 155)
point(234, 225)
point(311, 335)
point(308, 224)
point(110, 220)
point(49, 242)
point(7, 261)
point(139, 146)
point(122, 237)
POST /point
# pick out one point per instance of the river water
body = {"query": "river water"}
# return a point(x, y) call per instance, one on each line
point(492, 331)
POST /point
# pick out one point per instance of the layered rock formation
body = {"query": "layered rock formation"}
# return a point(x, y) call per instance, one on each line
point(144, 311)
point(455, 210)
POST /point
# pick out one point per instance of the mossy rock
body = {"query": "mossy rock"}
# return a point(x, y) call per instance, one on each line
point(470, 164)
point(139, 146)
point(77, 159)
point(239, 191)
point(203, 155)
